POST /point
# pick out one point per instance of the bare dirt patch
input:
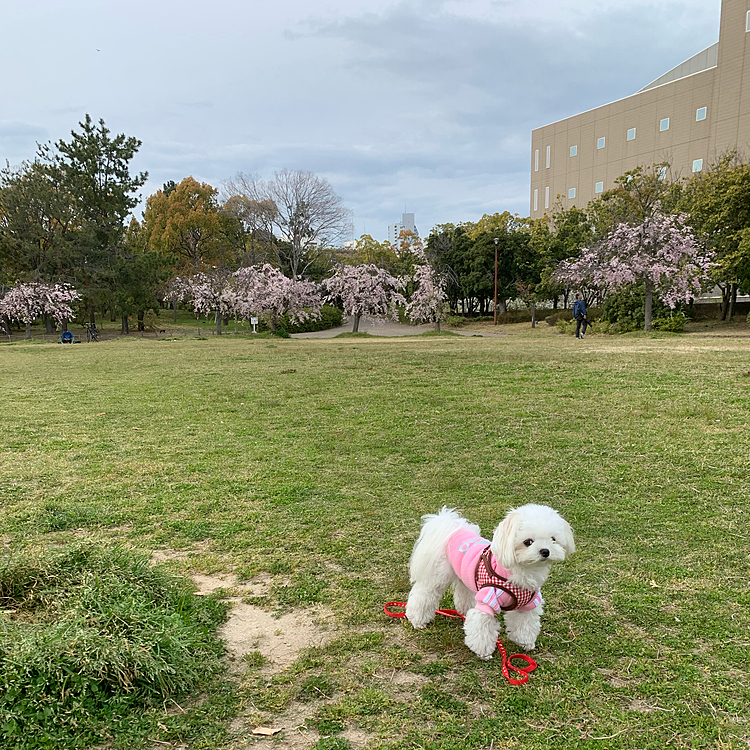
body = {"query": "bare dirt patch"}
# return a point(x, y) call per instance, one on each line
point(280, 639)
point(169, 555)
point(252, 628)
point(409, 678)
point(356, 737)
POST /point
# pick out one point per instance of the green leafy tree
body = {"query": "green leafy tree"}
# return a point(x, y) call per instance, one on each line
point(718, 202)
point(185, 227)
point(368, 251)
point(554, 238)
point(638, 195)
point(512, 234)
point(447, 248)
point(138, 275)
point(37, 224)
point(93, 170)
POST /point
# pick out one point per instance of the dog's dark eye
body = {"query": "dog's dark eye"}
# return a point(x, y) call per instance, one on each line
point(528, 542)
point(553, 539)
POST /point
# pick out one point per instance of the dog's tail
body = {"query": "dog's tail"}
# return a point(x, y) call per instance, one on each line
point(437, 528)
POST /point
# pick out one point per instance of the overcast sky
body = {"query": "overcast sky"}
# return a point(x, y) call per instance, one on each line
point(416, 104)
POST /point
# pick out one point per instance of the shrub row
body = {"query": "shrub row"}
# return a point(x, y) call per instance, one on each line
point(330, 317)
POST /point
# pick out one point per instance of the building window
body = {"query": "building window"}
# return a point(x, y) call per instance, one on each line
point(546, 197)
point(662, 173)
point(700, 114)
point(536, 160)
point(747, 21)
point(536, 200)
point(664, 125)
point(572, 193)
point(574, 150)
point(548, 156)
point(631, 134)
point(599, 187)
point(600, 143)
point(698, 165)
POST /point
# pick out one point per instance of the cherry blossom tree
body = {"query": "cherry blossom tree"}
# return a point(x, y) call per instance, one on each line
point(177, 291)
point(265, 292)
point(26, 302)
point(429, 301)
point(366, 291)
point(210, 293)
point(661, 251)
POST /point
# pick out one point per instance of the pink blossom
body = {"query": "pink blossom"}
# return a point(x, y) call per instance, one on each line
point(209, 293)
point(265, 292)
point(662, 251)
point(366, 291)
point(26, 302)
point(428, 302)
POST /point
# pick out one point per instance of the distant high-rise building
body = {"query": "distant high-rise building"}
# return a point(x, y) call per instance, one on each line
point(406, 223)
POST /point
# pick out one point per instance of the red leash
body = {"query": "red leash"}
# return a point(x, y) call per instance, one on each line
point(507, 664)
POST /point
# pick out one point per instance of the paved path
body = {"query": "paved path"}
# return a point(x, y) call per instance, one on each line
point(383, 329)
point(367, 326)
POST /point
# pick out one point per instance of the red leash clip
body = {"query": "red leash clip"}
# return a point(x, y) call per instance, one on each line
point(531, 665)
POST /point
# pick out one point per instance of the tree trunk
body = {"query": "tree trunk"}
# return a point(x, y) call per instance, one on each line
point(28, 330)
point(437, 325)
point(533, 315)
point(554, 303)
point(48, 324)
point(649, 305)
point(356, 323)
point(92, 319)
point(724, 301)
point(141, 315)
point(65, 325)
point(174, 305)
point(125, 325)
point(217, 317)
point(732, 301)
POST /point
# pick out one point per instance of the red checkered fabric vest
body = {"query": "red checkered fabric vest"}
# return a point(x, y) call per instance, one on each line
point(486, 576)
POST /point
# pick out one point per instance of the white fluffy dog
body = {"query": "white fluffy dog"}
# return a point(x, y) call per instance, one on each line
point(488, 577)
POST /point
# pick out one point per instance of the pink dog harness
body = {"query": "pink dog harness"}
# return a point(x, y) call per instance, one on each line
point(479, 571)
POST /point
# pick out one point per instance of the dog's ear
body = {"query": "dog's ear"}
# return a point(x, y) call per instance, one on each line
point(504, 539)
point(567, 540)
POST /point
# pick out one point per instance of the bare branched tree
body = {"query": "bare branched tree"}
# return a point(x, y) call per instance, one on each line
point(302, 207)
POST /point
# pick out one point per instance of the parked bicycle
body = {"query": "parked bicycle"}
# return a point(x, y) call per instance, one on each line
point(92, 332)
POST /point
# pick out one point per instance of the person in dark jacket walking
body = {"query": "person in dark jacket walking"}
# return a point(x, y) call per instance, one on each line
point(579, 313)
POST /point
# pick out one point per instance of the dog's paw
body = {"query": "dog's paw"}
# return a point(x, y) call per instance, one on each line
point(525, 643)
point(480, 648)
point(481, 634)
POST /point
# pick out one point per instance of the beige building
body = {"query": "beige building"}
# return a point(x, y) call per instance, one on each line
point(687, 117)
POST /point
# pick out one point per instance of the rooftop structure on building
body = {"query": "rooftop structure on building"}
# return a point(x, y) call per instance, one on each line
point(687, 118)
point(406, 223)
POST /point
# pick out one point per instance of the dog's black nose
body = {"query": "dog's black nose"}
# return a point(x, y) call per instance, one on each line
point(544, 552)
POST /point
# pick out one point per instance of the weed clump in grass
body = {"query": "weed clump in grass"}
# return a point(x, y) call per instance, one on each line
point(92, 637)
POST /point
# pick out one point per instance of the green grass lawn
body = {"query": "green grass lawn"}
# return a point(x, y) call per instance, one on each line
point(311, 461)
